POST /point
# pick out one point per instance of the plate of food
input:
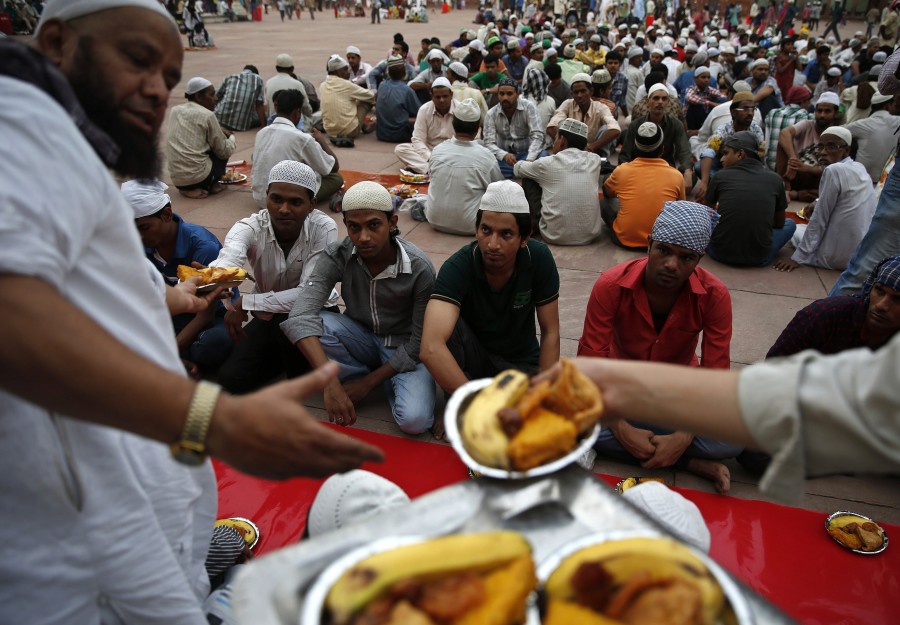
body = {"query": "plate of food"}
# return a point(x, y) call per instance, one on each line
point(245, 527)
point(464, 579)
point(631, 482)
point(504, 428)
point(232, 177)
point(856, 532)
point(403, 191)
point(213, 277)
point(411, 177)
point(629, 578)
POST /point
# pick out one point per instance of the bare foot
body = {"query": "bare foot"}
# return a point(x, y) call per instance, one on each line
point(194, 194)
point(714, 471)
point(437, 430)
point(217, 187)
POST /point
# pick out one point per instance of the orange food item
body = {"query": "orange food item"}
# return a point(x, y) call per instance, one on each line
point(544, 436)
point(210, 275)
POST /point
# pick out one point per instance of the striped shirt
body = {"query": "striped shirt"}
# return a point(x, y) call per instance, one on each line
point(522, 133)
point(238, 96)
point(193, 132)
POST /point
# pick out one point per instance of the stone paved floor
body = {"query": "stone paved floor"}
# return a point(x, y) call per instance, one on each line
point(764, 300)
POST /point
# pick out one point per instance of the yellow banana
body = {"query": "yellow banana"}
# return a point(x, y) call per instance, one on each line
point(482, 433)
point(368, 579)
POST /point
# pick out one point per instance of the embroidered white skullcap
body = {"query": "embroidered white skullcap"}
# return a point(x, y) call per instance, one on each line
point(834, 71)
point(828, 97)
point(196, 85)
point(759, 63)
point(683, 223)
point(741, 85)
point(353, 50)
point(712, 52)
point(294, 172)
point(284, 60)
point(147, 197)
point(504, 196)
point(649, 137)
point(635, 51)
point(435, 54)
point(336, 62)
point(348, 498)
point(574, 127)
point(578, 40)
point(551, 52)
point(368, 195)
point(672, 510)
point(467, 111)
point(596, 39)
point(441, 82)
point(459, 69)
point(580, 77)
point(537, 46)
point(70, 9)
point(476, 44)
point(880, 98)
point(657, 87)
point(395, 60)
point(837, 131)
point(701, 70)
point(569, 51)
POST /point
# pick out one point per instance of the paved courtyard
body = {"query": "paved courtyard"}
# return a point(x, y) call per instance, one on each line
point(764, 300)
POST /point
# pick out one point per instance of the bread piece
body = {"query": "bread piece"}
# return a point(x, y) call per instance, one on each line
point(544, 436)
point(575, 396)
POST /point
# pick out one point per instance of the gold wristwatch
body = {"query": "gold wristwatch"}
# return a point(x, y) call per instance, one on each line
point(191, 448)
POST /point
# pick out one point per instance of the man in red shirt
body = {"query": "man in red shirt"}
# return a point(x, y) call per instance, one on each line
point(654, 309)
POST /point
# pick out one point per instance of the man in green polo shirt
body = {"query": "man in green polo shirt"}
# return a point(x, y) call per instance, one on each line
point(488, 79)
point(480, 318)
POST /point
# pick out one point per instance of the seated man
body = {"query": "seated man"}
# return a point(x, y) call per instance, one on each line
point(751, 203)
point(169, 241)
point(281, 141)
point(359, 70)
point(461, 170)
point(480, 319)
point(422, 83)
point(489, 79)
point(654, 309)
point(434, 125)
point(799, 160)
point(242, 100)
point(841, 215)
point(283, 80)
point(718, 117)
point(282, 244)
point(344, 104)
point(397, 105)
point(700, 99)
point(796, 109)
point(874, 136)
point(562, 188)
point(676, 149)
point(512, 129)
point(385, 285)
point(603, 129)
point(197, 149)
point(635, 192)
point(458, 74)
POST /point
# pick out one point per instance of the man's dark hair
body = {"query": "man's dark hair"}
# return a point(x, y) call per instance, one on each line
point(426, 41)
point(465, 128)
point(287, 101)
point(252, 68)
point(785, 42)
point(613, 56)
point(403, 46)
point(435, 41)
point(523, 221)
point(659, 67)
point(573, 140)
point(653, 78)
point(397, 72)
point(491, 58)
point(553, 71)
point(398, 37)
point(881, 105)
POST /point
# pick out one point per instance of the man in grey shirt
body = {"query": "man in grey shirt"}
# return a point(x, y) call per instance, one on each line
point(385, 283)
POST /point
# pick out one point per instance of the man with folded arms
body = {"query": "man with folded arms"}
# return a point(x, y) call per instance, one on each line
point(654, 309)
point(385, 285)
point(434, 125)
point(603, 129)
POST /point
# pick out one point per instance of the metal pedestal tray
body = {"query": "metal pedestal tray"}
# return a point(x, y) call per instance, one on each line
point(551, 511)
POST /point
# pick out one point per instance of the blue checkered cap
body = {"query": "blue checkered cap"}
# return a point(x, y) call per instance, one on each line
point(687, 224)
point(885, 273)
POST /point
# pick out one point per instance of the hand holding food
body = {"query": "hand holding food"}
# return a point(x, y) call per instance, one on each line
point(212, 275)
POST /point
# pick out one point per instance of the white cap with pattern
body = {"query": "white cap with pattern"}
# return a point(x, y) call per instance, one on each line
point(294, 172)
point(146, 198)
point(336, 62)
point(353, 50)
point(504, 196)
point(671, 509)
point(349, 498)
point(574, 127)
point(441, 82)
point(467, 111)
point(368, 195)
point(196, 85)
point(580, 77)
point(70, 9)
point(459, 69)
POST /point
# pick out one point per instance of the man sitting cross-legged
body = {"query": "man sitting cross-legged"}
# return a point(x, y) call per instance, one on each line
point(282, 141)
point(434, 125)
point(480, 319)
point(344, 104)
point(654, 309)
point(385, 284)
point(562, 188)
point(282, 244)
point(512, 129)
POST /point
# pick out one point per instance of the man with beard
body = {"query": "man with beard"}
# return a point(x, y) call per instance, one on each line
point(434, 125)
point(799, 160)
point(512, 129)
point(603, 129)
point(654, 309)
point(197, 149)
point(385, 285)
point(92, 381)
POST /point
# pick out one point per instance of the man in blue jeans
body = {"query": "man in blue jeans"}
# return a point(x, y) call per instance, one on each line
point(385, 284)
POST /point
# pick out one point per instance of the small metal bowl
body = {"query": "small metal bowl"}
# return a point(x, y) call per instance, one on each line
point(453, 415)
point(840, 513)
point(238, 523)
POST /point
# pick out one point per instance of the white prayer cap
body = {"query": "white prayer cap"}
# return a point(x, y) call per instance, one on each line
point(741, 85)
point(880, 98)
point(574, 127)
point(537, 46)
point(879, 57)
point(701, 70)
point(196, 85)
point(657, 87)
point(70, 9)
point(349, 498)
point(649, 137)
point(569, 51)
point(476, 44)
point(596, 39)
point(838, 131)
point(635, 51)
point(657, 51)
point(726, 50)
point(834, 71)
point(147, 197)
point(441, 82)
point(682, 41)
point(353, 50)
point(467, 111)
point(829, 97)
point(712, 52)
point(691, 47)
point(284, 61)
point(294, 172)
point(435, 54)
point(369, 196)
point(578, 41)
point(672, 510)
point(336, 62)
point(580, 77)
point(395, 60)
point(460, 69)
point(528, 36)
point(504, 196)
point(667, 48)
point(551, 52)
point(760, 63)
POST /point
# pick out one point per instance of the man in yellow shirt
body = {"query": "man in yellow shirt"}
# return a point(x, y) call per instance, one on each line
point(344, 104)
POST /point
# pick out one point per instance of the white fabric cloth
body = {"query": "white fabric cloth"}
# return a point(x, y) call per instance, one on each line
point(283, 82)
point(674, 68)
point(460, 172)
point(252, 240)
point(876, 139)
point(280, 141)
point(430, 130)
point(718, 117)
point(842, 215)
point(570, 204)
point(108, 523)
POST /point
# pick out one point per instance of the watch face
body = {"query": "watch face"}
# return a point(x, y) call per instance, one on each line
point(187, 456)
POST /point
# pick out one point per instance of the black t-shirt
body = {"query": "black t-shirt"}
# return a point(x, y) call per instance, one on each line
point(748, 197)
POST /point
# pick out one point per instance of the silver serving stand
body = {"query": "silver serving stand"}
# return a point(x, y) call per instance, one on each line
point(550, 510)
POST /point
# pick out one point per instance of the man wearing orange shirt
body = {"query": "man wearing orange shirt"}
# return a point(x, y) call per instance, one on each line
point(634, 194)
point(654, 309)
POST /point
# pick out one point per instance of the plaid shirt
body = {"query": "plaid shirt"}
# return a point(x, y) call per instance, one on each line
point(829, 325)
point(776, 121)
point(619, 89)
point(238, 96)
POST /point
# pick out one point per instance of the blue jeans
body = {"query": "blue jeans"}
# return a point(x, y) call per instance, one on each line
point(882, 240)
point(704, 448)
point(211, 347)
point(358, 351)
point(507, 170)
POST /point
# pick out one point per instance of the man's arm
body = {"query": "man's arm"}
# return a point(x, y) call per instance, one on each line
point(535, 131)
point(419, 138)
point(763, 93)
point(558, 115)
point(489, 138)
point(682, 146)
point(261, 113)
point(717, 327)
point(596, 337)
point(612, 132)
point(220, 144)
point(548, 322)
point(440, 320)
point(323, 142)
point(786, 141)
